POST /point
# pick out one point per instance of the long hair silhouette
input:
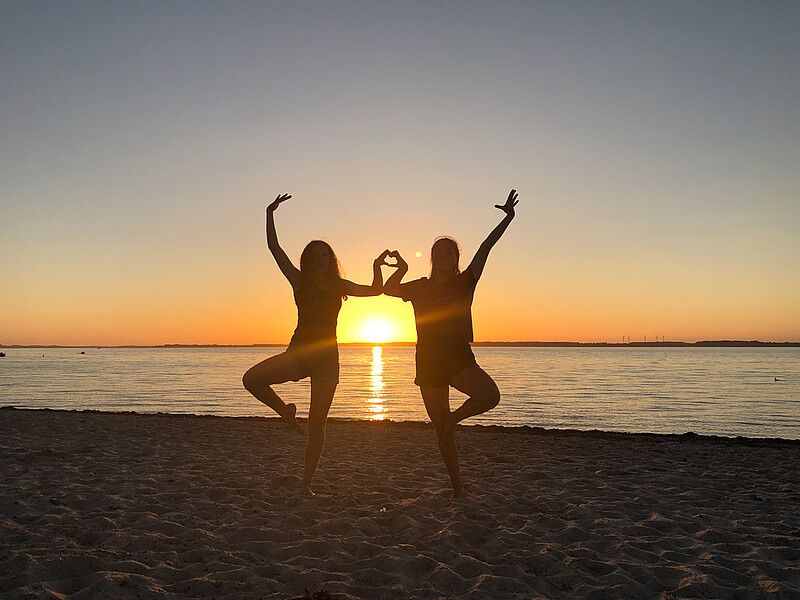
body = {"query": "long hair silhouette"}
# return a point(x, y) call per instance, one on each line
point(443, 242)
point(332, 276)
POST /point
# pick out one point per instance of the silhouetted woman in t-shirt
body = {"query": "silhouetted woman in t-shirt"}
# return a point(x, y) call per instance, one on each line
point(313, 352)
point(442, 311)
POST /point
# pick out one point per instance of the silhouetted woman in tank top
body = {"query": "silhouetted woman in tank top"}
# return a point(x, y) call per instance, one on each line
point(443, 315)
point(313, 352)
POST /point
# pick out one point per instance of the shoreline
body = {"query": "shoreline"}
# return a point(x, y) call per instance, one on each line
point(512, 429)
point(128, 505)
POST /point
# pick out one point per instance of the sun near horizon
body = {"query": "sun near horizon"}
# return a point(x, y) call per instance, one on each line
point(378, 320)
point(377, 331)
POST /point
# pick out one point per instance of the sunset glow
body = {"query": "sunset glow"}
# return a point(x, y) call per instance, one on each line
point(377, 320)
point(377, 332)
point(655, 162)
point(375, 403)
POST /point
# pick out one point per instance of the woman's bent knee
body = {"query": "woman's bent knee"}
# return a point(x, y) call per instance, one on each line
point(249, 380)
point(493, 399)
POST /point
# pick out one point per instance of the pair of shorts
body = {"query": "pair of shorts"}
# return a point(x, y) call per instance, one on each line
point(437, 365)
point(315, 360)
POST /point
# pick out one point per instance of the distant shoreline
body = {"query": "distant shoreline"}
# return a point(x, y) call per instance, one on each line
point(700, 344)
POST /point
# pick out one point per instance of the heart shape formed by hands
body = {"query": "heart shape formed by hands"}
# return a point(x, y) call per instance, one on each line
point(386, 254)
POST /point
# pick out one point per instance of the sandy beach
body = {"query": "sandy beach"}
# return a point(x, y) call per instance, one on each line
point(103, 505)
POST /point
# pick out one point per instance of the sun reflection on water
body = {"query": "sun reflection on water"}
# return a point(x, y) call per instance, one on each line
point(376, 411)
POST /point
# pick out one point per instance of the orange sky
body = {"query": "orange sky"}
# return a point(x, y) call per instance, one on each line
point(76, 313)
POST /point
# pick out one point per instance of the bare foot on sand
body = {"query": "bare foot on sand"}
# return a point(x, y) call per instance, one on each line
point(290, 419)
point(458, 493)
point(305, 490)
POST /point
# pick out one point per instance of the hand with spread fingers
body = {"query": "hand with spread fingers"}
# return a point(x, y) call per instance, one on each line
point(511, 202)
point(278, 201)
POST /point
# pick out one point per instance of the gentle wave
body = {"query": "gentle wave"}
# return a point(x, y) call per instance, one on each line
point(752, 392)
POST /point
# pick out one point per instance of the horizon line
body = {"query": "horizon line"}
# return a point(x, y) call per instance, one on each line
point(662, 344)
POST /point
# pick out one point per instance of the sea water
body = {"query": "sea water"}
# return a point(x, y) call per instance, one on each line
point(751, 392)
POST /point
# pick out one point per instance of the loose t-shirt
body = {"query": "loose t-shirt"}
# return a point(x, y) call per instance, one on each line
point(442, 311)
point(317, 313)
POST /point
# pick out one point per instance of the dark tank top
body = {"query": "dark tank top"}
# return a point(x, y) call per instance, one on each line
point(317, 312)
point(442, 311)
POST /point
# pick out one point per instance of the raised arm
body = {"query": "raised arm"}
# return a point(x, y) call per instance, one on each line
point(479, 260)
point(289, 271)
point(376, 287)
point(392, 285)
